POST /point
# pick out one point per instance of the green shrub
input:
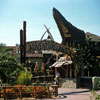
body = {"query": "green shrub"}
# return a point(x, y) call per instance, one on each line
point(8, 65)
point(98, 84)
point(94, 96)
point(24, 78)
point(97, 97)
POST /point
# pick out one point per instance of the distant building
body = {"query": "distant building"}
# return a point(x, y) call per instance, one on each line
point(14, 51)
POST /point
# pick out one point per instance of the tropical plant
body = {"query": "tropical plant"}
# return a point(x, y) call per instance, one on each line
point(85, 58)
point(8, 65)
point(91, 63)
point(97, 97)
point(98, 84)
point(24, 77)
point(94, 96)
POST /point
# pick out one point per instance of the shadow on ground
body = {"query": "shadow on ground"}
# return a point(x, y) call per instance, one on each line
point(64, 95)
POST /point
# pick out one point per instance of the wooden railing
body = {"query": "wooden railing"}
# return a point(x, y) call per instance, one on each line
point(28, 91)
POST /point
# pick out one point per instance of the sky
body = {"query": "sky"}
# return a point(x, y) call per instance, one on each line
point(84, 14)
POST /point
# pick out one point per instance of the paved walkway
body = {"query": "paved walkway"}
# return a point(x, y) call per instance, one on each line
point(74, 94)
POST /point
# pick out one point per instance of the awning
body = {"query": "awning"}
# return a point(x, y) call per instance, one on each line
point(62, 61)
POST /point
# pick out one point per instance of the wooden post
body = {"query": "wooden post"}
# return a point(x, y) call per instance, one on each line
point(75, 72)
point(66, 72)
point(70, 72)
point(35, 92)
point(55, 71)
point(48, 94)
point(21, 46)
point(56, 91)
point(24, 46)
point(23, 43)
point(4, 93)
point(21, 93)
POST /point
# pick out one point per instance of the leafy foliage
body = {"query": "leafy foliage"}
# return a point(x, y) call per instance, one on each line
point(85, 58)
point(8, 65)
point(97, 97)
point(98, 84)
point(94, 96)
point(90, 53)
point(24, 78)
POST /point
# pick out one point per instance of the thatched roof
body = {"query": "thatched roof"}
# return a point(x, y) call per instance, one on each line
point(93, 37)
point(33, 46)
point(62, 61)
